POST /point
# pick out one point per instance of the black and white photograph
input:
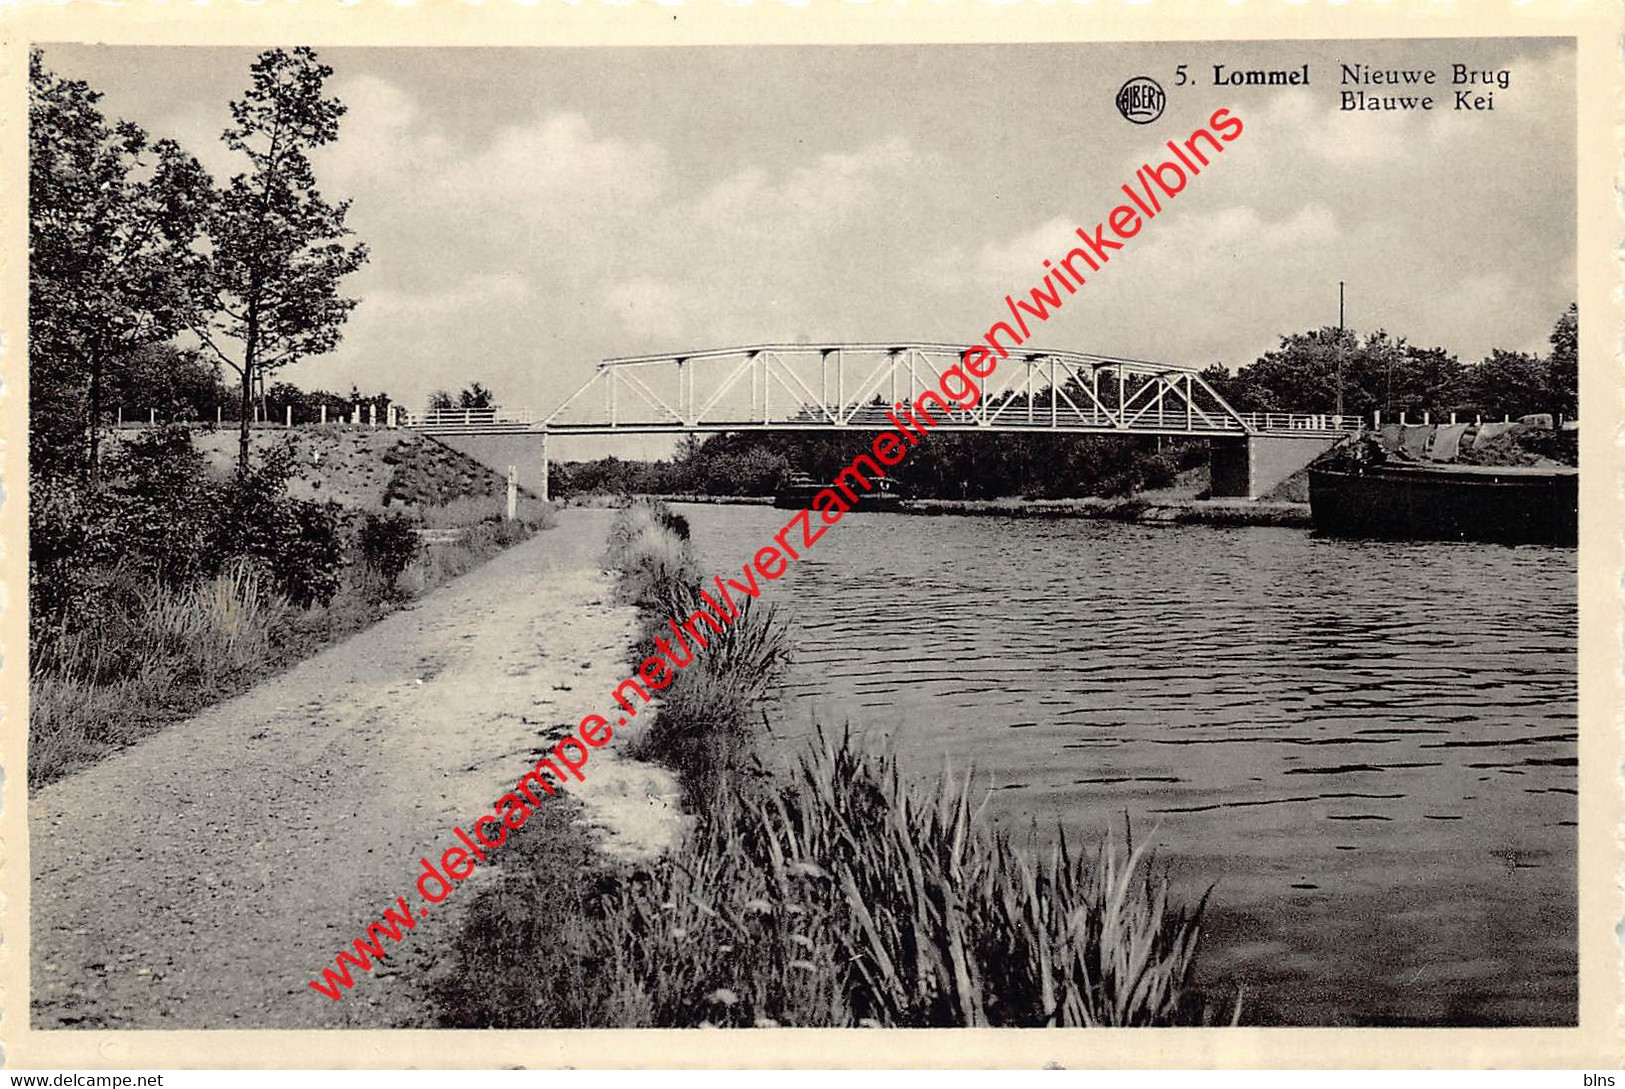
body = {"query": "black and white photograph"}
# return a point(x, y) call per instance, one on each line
point(874, 535)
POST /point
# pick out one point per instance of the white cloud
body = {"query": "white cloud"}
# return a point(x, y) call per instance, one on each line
point(549, 170)
point(555, 170)
point(649, 309)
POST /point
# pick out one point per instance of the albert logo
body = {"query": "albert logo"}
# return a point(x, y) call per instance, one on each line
point(1141, 100)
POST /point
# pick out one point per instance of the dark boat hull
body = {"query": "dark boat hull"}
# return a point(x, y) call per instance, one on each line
point(1466, 503)
point(800, 497)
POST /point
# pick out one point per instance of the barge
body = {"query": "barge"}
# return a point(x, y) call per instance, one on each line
point(798, 491)
point(1504, 504)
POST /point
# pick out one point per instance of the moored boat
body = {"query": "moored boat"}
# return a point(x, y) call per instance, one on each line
point(1506, 504)
point(799, 490)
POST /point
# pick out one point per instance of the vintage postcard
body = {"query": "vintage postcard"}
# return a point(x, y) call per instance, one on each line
point(820, 523)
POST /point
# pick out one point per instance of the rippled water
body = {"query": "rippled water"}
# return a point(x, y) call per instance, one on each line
point(1368, 747)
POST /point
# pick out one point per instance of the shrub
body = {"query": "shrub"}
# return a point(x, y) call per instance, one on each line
point(61, 547)
point(649, 547)
point(1160, 470)
point(389, 543)
point(160, 506)
point(300, 542)
point(308, 565)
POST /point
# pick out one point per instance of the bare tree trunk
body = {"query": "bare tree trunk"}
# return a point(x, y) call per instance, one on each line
point(93, 411)
point(250, 351)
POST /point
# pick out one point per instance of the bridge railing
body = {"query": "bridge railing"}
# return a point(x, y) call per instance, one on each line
point(1302, 421)
point(469, 421)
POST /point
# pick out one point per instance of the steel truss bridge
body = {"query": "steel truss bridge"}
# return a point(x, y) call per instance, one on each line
point(801, 387)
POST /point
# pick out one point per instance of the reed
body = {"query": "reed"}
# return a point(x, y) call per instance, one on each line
point(706, 721)
point(847, 897)
point(841, 896)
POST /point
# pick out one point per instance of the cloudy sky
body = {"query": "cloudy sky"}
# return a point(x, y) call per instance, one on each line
point(532, 211)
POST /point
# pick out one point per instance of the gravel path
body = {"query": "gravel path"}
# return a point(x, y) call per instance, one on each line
point(201, 878)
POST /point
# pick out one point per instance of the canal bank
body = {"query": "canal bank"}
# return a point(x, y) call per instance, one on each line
point(1159, 509)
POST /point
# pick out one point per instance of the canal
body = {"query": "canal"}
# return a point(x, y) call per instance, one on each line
point(1367, 748)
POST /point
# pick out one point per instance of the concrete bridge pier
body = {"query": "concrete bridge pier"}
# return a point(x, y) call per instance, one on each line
point(1250, 466)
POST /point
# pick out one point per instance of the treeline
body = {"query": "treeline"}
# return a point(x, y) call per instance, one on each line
point(167, 384)
point(952, 465)
point(1302, 375)
point(1387, 374)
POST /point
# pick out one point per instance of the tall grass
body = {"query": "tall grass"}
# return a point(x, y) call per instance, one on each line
point(469, 510)
point(709, 715)
point(842, 896)
point(848, 897)
point(159, 652)
point(219, 628)
point(649, 549)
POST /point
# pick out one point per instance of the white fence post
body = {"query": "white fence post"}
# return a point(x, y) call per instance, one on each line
point(152, 417)
point(217, 415)
point(513, 492)
point(372, 414)
point(289, 422)
point(324, 414)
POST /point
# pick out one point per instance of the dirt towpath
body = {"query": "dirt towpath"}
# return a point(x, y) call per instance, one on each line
point(201, 878)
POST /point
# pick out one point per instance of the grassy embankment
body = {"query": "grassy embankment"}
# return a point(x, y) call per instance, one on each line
point(159, 652)
point(839, 894)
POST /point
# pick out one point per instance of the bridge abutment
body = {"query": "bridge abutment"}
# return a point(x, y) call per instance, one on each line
point(525, 451)
point(1249, 467)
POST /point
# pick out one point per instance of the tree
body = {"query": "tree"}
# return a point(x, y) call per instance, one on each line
point(1563, 368)
point(1508, 383)
point(475, 396)
point(111, 220)
point(180, 383)
point(278, 248)
point(440, 401)
point(1380, 372)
